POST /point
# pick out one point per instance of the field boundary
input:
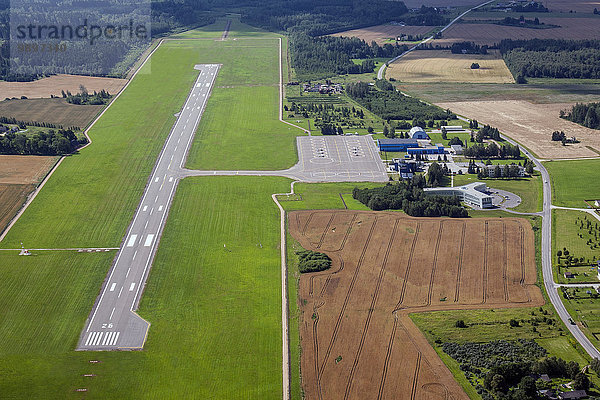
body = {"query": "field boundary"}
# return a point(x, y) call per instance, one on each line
point(34, 194)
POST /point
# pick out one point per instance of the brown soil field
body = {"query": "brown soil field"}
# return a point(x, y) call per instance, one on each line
point(55, 111)
point(570, 28)
point(580, 6)
point(381, 33)
point(19, 176)
point(532, 126)
point(443, 66)
point(357, 340)
point(55, 83)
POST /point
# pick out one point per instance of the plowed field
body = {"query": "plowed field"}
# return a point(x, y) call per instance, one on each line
point(357, 340)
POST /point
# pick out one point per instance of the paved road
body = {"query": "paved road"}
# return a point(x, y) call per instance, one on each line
point(113, 323)
point(381, 71)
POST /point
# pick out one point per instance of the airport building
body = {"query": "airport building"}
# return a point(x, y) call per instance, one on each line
point(416, 132)
point(473, 194)
point(396, 144)
point(432, 149)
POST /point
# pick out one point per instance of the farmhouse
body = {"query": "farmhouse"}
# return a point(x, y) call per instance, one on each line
point(416, 132)
point(473, 194)
point(435, 149)
point(396, 144)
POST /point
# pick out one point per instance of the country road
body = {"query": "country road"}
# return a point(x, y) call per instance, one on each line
point(381, 72)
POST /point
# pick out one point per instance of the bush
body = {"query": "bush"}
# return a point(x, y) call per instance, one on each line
point(460, 324)
point(312, 261)
point(475, 66)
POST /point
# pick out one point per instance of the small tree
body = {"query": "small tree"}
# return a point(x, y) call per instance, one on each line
point(474, 66)
point(460, 324)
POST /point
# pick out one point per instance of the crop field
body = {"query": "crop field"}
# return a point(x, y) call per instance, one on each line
point(443, 66)
point(54, 111)
point(383, 33)
point(54, 84)
point(481, 33)
point(19, 176)
point(571, 182)
point(532, 126)
point(400, 265)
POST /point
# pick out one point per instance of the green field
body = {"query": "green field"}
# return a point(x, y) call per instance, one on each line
point(583, 305)
point(529, 189)
point(565, 234)
point(572, 182)
point(236, 30)
point(323, 196)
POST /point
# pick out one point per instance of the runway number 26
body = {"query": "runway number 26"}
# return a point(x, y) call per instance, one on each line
point(104, 326)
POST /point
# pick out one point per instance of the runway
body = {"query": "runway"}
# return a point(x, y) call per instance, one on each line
point(113, 323)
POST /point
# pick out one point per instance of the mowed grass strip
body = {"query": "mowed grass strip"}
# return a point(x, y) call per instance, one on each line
point(573, 182)
point(92, 196)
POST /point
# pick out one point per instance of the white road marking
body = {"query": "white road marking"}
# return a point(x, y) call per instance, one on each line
point(134, 254)
point(114, 341)
point(172, 155)
point(98, 338)
point(156, 199)
point(131, 241)
point(145, 226)
point(128, 270)
point(112, 287)
point(149, 239)
point(160, 208)
point(89, 338)
point(178, 140)
point(151, 211)
point(208, 85)
point(105, 337)
point(120, 292)
point(111, 313)
point(145, 208)
point(132, 286)
point(171, 179)
point(156, 180)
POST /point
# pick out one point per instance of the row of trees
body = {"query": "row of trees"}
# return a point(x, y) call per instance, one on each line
point(468, 48)
point(24, 124)
point(552, 58)
point(583, 114)
point(51, 143)
point(492, 150)
point(83, 97)
point(408, 195)
point(393, 105)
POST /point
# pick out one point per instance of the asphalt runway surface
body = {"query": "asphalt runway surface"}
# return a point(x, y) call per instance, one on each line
point(113, 323)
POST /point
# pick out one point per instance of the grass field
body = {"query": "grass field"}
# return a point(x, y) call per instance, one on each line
point(214, 31)
point(529, 189)
point(583, 305)
point(324, 196)
point(383, 33)
point(54, 84)
point(443, 66)
point(240, 129)
point(571, 182)
point(53, 111)
point(565, 234)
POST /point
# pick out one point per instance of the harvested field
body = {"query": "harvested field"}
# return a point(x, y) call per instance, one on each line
point(584, 6)
point(570, 28)
point(382, 33)
point(55, 111)
point(55, 83)
point(443, 66)
point(357, 340)
point(532, 126)
point(19, 176)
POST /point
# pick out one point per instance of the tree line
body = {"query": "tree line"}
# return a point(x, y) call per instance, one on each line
point(583, 114)
point(49, 143)
point(479, 150)
point(408, 196)
point(393, 105)
point(552, 58)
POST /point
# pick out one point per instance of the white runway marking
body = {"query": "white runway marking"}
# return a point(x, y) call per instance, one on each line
point(111, 313)
point(131, 241)
point(112, 287)
point(134, 254)
point(102, 338)
point(149, 239)
point(208, 85)
point(171, 179)
point(120, 292)
point(132, 286)
point(127, 274)
point(97, 339)
point(198, 85)
point(151, 211)
point(156, 199)
point(145, 208)
point(160, 208)
point(146, 225)
point(156, 180)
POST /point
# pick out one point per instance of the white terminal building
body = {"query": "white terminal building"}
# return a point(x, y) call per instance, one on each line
point(473, 194)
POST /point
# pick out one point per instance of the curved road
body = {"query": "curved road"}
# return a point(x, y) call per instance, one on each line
point(382, 69)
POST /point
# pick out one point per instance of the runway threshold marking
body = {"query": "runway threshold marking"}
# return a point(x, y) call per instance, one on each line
point(145, 208)
point(112, 287)
point(131, 241)
point(149, 239)
point(131, 286)
point(160, 208)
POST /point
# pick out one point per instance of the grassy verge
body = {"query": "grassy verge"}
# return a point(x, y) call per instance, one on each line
point(571, 182)
point(295, 318)
point(324, 196)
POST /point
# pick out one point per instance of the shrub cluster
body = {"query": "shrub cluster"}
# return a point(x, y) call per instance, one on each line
point(312, 261)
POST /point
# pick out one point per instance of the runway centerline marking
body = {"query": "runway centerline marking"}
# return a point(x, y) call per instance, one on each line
point(111, 314)
point(134, 254)
point(120, 292)
point(127, 274)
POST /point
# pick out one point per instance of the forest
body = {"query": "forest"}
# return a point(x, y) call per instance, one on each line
point(583, 114)
point(408, 196)
point(552, 58)
point(51, 143)
point(393, 105)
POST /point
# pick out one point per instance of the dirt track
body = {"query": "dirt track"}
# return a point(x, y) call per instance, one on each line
point(357, 340)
